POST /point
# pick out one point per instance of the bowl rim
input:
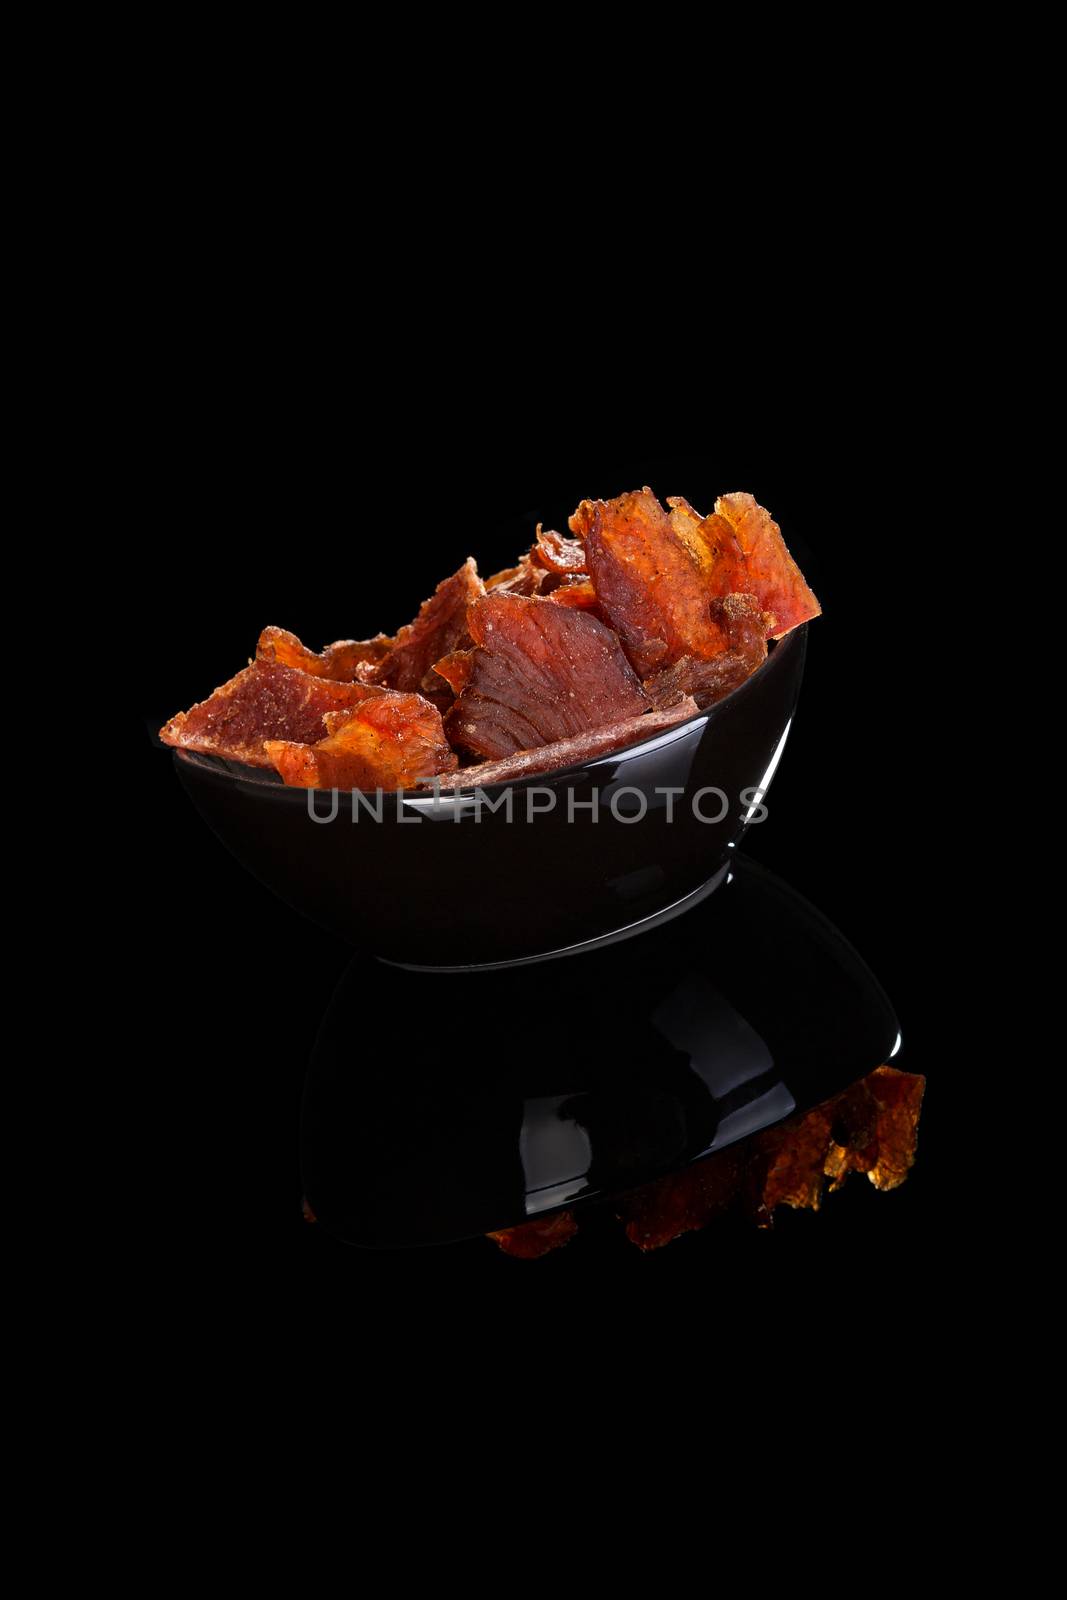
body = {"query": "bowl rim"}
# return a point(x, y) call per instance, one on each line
point(267, 781)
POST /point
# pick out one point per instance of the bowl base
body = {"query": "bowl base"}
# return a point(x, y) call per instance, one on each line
point(629, 931)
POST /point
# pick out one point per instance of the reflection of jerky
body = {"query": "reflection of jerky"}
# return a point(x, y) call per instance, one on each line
point(265, 701)
point(871, 1127)
point(541, 672)
point(652, 584)
point(569, 752)
point(440, 627)
point(532, 1239)
point(876, 1122)
point(389, 741)
point(658, 1212)
point(744, 624)
point(344, 661)
point(771, 573)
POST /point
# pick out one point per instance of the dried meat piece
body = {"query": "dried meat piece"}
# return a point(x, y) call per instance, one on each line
point(389, 741)
point(526, 578)
point(571, 752)
point(557, 553)
point(541, 672)
point(772, 574)
point(456, 669)
point(344, 661)
point(713, 545)
point(533, 1239)
point(576, 592)
point(745, 624)
point(440, 627)
point(265, 701)
point(651, 585)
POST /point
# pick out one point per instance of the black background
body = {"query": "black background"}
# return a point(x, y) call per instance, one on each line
point(330, 499)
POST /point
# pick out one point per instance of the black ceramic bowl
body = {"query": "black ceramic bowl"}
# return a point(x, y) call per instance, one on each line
point(522, 870)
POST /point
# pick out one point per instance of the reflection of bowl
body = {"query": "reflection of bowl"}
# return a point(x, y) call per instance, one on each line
point(622, 1066)
point(452, 882)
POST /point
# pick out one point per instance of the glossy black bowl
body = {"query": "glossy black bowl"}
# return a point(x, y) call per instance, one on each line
point(524, 870)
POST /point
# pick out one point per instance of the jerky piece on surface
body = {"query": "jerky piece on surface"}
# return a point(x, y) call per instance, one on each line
point(541, 672)
point(344, 661)
point(265, 701)
point(441, 626)
point(570, 752)
point(389, 741)
point(745, 624)
point(772, 574)
point(558, 553)
point(651, 585)
point(533, 1239)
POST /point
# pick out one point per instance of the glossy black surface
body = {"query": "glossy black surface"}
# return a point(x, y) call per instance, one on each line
point(483, 1099)
point(451, 883)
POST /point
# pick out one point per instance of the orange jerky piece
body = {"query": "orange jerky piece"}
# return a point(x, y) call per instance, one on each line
point(389, 741)
point(265, 701)
point(344, 661)
point(651, 582)
point(571, 752)
point(772, 574)
point(440, 627)
point(540, 672)
point(578, 593)
point(557, 553)
point(745, 624)
point(713, 544)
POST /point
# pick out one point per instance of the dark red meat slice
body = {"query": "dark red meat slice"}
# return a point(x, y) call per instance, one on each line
point(571, 752)
point(540, 672)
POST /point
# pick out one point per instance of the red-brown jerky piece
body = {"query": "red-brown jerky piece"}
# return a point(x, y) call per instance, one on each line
point(651, 585)
point(772, 574)
point(389, 741)
point(533, 1239)
point(576, 592)
point(557, 553)
point(745, 624)
point(526, 578)
point(570, 752)
point(440, 627)
point(344, 661)
point(265, 701)
point(541, 672)
point(456, 669)
point(713, 544)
